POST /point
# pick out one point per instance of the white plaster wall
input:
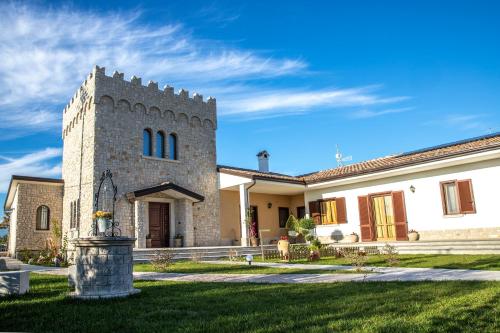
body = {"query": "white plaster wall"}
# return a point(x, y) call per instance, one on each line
point(424, 207)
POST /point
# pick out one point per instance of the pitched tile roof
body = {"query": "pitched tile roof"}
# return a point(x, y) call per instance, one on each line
point(411, 158)
point(449, 150)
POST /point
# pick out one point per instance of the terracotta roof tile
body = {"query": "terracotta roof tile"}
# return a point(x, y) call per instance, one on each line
point(401, 160)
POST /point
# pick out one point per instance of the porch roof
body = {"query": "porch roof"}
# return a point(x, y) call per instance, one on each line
point(169, 188)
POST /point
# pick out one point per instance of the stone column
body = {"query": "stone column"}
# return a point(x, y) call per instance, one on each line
point(103, 268)
point(141, 217)
point(185, 212)
point(243, 214)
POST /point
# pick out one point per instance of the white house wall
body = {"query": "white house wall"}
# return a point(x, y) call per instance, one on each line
point(424, 207)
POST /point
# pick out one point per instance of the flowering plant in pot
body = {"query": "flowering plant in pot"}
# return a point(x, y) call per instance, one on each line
point(413, 235)
point(178, 240)
point(353, 238)
point(103, 219)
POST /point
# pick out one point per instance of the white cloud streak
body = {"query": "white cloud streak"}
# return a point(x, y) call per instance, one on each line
point(38, 164)
point(363, 114)
point(293, 102)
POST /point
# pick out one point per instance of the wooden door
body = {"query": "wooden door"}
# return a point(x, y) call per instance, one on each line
point(383, 215)
point(159, 226)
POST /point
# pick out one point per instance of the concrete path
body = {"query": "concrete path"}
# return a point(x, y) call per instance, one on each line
point(376, 274)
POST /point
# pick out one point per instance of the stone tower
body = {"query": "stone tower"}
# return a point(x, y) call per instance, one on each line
point(103, 128)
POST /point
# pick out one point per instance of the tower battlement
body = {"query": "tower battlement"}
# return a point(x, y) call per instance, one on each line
point(124, 96)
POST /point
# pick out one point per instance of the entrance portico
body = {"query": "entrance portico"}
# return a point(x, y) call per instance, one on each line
point(162, 212)
point(272, 199)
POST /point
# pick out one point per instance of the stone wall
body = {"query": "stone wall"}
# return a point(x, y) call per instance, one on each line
point(78, 156)
point(468, 234)
point(30, 197)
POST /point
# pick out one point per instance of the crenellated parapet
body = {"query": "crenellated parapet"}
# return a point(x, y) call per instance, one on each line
point(115, 94)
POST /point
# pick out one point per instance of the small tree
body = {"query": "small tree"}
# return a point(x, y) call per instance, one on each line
point(391, 255)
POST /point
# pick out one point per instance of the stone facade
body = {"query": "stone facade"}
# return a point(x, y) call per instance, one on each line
point(103, 129)
point(29, 197)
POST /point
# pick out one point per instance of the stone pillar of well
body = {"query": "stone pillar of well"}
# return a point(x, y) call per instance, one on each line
point(103, 267)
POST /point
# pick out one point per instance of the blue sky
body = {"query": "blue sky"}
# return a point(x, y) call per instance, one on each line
point(293, 77)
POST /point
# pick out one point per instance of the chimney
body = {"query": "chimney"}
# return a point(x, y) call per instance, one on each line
point(263, 158)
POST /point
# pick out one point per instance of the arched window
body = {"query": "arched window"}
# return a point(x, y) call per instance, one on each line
point(42, 218)
point(160, 144)
point(147, 149)
point(172, 145)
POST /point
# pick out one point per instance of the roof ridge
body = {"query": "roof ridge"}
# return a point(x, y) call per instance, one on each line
point(219, 166)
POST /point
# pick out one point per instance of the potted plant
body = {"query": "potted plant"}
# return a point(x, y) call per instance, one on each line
point(178, 240)
point(252, 230)
point(314, 247)
point(413, 236)
point(103, 219)
point(353, 238)
point(148, 240)
point(299, 228)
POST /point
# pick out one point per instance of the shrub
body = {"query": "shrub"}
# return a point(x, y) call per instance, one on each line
point(356, 258)
point(162, 260)
point(391, 255)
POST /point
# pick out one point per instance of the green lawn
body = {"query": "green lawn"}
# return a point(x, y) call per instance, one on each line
point(224, 307)
point(463, 261)
point(200, 267)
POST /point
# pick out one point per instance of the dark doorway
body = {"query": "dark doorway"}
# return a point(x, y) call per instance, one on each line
point(283, 214)
point(159, 226)
point(301, 212)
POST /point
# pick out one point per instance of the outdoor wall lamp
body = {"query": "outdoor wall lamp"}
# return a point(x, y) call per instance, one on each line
point(269, 205)
point(412, 189)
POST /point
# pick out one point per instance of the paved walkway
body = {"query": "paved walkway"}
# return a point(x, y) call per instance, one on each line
point(376, 274)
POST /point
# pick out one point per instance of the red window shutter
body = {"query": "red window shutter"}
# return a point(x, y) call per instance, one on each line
point(466, 196)
point(314, 211)
point(341, 210)
point(398, 205)
point(365, 220)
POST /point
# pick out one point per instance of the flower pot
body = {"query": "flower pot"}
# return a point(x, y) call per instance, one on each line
point(283, 248)
point(102, 224)
point(352, 238)
point(254, 241)
point(413, 236)
point(177, 242)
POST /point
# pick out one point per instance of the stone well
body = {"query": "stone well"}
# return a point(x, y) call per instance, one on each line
point(103, 267)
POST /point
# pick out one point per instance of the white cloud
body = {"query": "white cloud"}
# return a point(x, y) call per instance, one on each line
point(477, 122)
point(370, 113)
point(293, 102)
point(39, 164)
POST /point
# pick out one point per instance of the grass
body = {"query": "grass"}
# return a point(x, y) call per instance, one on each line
point(200, 267)
point(462, 261)
point(221, 307)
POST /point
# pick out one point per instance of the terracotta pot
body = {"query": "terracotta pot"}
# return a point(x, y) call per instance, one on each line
point(177, 242)
point(254, 241)
point(413, 236)
point(283, 247)
point(352, 238)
